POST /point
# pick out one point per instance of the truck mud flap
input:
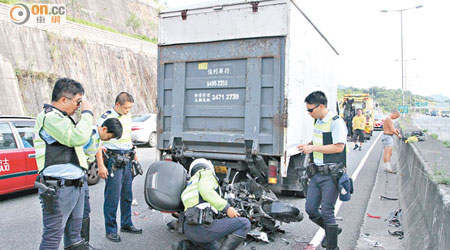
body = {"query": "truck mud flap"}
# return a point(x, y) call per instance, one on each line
point(296, 174)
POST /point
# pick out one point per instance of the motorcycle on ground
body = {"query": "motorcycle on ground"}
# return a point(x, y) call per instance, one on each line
point(166, 180)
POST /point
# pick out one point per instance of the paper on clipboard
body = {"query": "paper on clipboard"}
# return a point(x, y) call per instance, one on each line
point(290, 151)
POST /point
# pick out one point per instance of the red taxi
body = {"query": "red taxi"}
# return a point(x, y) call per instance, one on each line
point(18, 167)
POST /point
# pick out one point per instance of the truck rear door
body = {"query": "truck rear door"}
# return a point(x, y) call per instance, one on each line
point(215, 96)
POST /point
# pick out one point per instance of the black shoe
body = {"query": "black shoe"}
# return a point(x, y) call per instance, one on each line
point(131, 229)
point(356, 146)
point(82, 245)
point(113, 237)
point(360, 148)
point(92, 248)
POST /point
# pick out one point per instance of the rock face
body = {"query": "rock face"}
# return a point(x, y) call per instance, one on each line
point(130, 16)
point(33, 57)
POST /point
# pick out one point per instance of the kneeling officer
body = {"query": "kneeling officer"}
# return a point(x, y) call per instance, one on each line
point(202, 203)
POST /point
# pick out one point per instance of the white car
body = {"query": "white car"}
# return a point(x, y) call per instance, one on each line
point(143, 130)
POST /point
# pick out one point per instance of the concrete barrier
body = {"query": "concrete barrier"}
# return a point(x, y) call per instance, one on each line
point(425, 204)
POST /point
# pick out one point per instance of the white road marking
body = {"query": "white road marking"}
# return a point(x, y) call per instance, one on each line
point(321, 233)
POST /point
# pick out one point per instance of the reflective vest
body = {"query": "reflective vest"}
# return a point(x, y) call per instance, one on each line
point(91, 148)
point(59, 140)
point(124, 143)
point(202, 187)
point(322, 136)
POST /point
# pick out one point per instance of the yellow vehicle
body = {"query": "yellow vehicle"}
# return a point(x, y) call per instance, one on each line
point(355, 102)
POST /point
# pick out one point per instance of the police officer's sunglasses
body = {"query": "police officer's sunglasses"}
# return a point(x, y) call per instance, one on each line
point(311, 110)
point(78, 102)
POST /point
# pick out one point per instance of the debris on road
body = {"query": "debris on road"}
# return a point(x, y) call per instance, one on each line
point(382, 197)
point(371, 242)
point(373, 216)
point(399, 234)
point(394, 218)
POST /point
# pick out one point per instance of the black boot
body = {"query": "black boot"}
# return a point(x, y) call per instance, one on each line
point(85, 232)
point(332, 231)
point(319, 222)
point(232, 242)
point(183, 245)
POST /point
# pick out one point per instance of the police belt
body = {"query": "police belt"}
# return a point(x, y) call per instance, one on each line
point(124, 152)
point(328, 168)
point(199, 216)
point(63, 182)
point(120, 158)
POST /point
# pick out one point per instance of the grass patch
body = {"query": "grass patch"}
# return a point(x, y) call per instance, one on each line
point(110, 29)
point(440, 176)
point(425, 130)
point(435, 136)
point(446, 144)
point(9, 1)
point(443, 180)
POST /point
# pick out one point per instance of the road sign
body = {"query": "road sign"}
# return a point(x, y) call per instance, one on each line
point(403, 109)
point(421, 104)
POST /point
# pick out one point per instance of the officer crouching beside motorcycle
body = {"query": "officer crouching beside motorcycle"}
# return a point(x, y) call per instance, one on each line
point(202, 202)
point(328, 150)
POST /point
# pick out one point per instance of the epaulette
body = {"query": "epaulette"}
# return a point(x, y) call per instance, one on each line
point(48, 109)
point(335, 117)
point(106, 114)
point(93, 132)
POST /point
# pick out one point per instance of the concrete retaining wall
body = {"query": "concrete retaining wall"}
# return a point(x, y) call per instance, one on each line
point(33, 57)
point(425, 204)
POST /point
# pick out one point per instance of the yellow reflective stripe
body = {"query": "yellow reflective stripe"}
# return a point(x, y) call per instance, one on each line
point(319, 129)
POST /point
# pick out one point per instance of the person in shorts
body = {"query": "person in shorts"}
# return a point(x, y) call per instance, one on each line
point(389, 131)
point(358, 129)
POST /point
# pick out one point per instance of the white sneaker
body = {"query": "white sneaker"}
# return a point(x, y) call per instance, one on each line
point(388, 168)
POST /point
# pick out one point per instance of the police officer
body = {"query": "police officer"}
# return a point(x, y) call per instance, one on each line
point(118, 170)
point(201, 197)
point(111, 128)
point(61, 163)
point(328, 150)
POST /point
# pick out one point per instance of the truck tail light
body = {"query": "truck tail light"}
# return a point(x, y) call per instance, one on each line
point(273, 172)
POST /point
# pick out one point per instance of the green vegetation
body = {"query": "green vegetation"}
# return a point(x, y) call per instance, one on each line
point(440, 176)
point(9, 1)
point(435, 136)
point(134, 21)
point(446, 144)
point(110, 29)
point(388, 99)
point(22, 75)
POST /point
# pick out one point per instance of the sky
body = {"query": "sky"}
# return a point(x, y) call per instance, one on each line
point(369, 44)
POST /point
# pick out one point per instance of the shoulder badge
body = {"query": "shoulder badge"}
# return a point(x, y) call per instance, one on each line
point(336, 117)
point(106, 114)
point(48, 109)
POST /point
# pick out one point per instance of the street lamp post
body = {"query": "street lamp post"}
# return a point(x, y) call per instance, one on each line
point(401, 44)
point(406, 84)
